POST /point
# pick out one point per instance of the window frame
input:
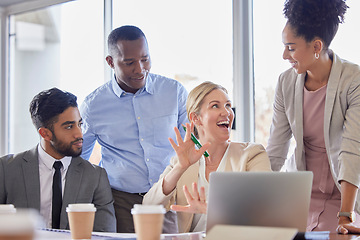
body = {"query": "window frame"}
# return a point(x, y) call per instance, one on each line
point(243, 77)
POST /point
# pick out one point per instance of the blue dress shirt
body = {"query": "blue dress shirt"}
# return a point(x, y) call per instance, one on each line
point(133, 130)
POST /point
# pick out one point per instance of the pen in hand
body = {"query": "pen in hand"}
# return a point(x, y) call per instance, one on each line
point(197, 143)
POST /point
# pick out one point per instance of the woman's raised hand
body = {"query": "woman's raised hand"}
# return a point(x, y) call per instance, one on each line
point(185, 149)
point(196, 201)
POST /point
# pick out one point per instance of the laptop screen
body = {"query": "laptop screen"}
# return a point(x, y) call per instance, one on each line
point(272, 199)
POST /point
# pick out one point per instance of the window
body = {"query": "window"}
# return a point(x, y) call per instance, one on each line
point(190, 41)
point(55, 47)
point(52, 47)
point(268, 63)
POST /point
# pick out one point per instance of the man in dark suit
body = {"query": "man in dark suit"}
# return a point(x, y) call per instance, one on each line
point(31, 179)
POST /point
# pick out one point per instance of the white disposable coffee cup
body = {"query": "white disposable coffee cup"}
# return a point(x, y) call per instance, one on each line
point(7, 208)
point(148, 221)
point(19, 225)
point(81, 220)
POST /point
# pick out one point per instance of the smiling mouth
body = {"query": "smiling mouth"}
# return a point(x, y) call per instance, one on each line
point(138, 78)
point(223, 124)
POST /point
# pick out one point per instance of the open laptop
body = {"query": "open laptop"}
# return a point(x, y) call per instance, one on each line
point(269, 199)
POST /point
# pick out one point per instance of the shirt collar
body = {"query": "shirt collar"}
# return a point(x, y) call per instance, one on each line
point(149, 85)
point(147, 88)
point(48, 160)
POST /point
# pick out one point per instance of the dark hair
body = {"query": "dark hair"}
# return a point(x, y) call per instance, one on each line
point(315, 18)
point(126, 32)
point(47, 105)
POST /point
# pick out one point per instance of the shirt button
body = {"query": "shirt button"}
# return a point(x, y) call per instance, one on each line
point(138, 117)
point(147, 159)
point(142, 139)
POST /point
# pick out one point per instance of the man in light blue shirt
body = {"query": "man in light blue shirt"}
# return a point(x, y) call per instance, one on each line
point(132, 116)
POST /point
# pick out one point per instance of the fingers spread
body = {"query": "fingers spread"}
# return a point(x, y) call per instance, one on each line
point(195, 191)
point(179, 208)
point(202, 194)
point(188, 195)
point(178, 136)
point(173, 144)
point(187, 133)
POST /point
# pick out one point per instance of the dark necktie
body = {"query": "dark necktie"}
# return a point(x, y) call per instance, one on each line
point(57, 195)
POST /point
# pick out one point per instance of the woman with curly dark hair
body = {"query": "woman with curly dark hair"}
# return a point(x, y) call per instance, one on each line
point(318, 102)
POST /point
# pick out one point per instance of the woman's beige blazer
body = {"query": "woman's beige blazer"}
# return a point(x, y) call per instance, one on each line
point(341, 122)
point(241, 157)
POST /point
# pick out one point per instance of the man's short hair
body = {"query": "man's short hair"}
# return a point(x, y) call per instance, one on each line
point(127, 33)
point(47, 105)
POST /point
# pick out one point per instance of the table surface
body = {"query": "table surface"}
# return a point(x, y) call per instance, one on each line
point(65, 234)
point(53, 234)
point(334, 236)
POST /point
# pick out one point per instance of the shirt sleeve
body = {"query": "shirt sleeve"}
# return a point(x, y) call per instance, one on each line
point(182, 97)
point(280, 131)
point(89, 137)
point(349, 158)
point(156, 195)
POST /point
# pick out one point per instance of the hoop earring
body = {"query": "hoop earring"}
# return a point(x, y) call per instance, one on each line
point(317, 55)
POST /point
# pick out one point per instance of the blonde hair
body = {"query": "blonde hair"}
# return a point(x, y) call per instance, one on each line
point(196, 98)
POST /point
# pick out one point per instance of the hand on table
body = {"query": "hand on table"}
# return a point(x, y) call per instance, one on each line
point(346, 227)
point(196, 201)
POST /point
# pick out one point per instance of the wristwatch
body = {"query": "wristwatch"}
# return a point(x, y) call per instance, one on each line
point(350, 215)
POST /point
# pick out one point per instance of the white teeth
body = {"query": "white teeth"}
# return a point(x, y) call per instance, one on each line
point(223, 122)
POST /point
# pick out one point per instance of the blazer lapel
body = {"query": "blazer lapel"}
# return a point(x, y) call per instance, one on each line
point(30, 168)
point(72, 187)
point(331, 90)
point(299, 93)
point(234, 162)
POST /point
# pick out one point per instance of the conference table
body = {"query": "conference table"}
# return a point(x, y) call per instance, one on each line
point(53, 234)
point(50, 234)
point(334, 236)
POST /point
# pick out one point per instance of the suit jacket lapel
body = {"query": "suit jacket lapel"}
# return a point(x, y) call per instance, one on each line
point(30, 168)
point(331, 90)
point(299, 95)
point(72, 186)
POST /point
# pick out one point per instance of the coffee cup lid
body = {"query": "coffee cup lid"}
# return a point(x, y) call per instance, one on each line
point(81, 207)
point(7, 208)
point(22, 221)
point(147, 209)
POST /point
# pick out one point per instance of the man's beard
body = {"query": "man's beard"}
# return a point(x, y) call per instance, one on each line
point(65, 149)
